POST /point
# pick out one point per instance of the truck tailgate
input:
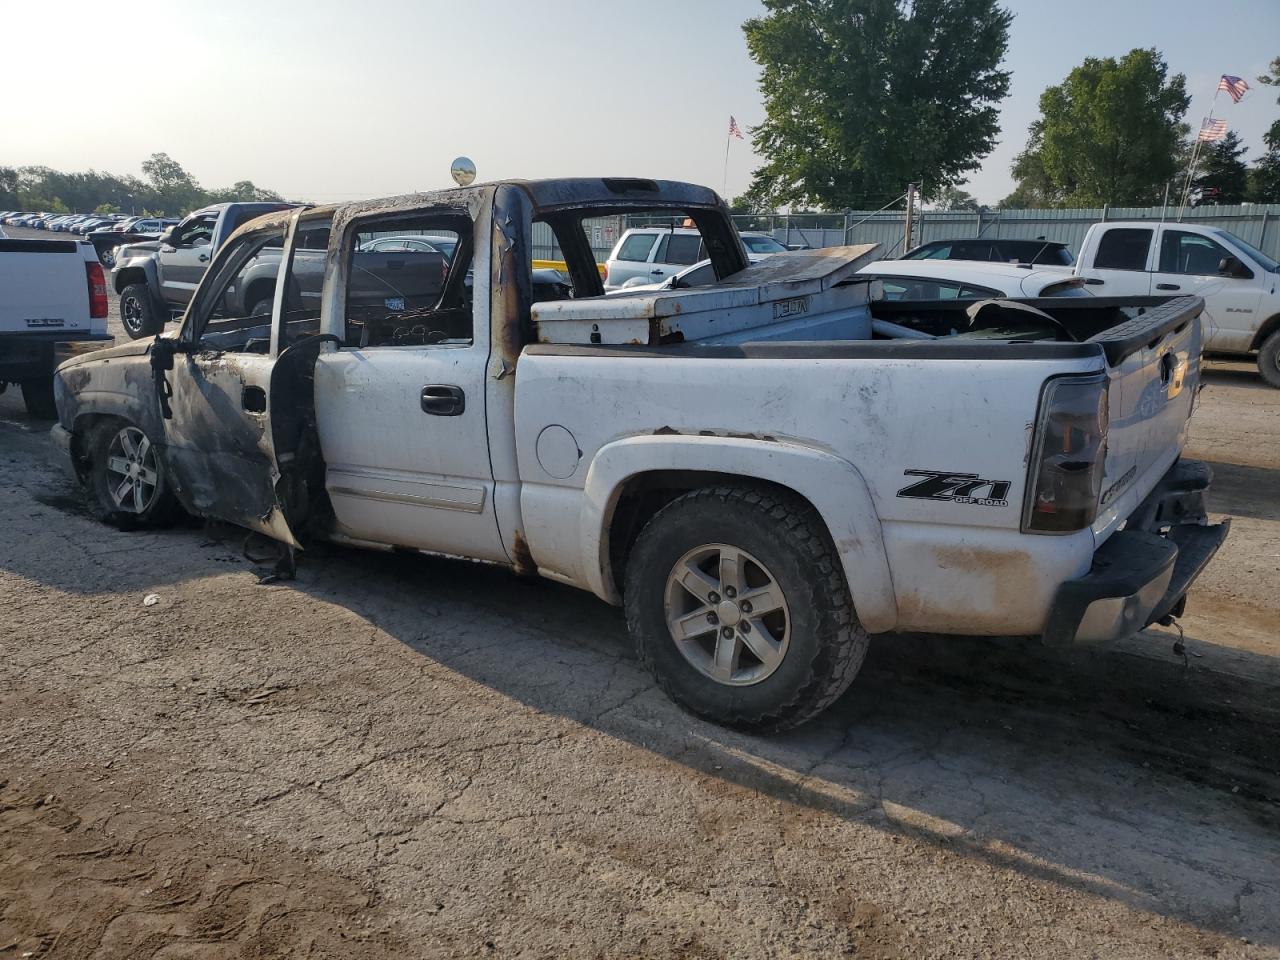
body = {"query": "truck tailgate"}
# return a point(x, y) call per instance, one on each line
point(1153, 364)
point(43, 287)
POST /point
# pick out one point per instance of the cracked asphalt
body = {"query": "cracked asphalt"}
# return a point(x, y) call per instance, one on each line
point(405, 756)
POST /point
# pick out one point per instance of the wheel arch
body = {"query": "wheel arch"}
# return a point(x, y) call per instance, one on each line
point(1269, 326)
point(629, 480)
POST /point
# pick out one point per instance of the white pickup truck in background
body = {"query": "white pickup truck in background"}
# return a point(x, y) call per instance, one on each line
point(1239, 284)
point(763, 471)
point(53, 305)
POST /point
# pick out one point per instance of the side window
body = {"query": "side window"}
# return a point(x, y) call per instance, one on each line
point(1191, 253)
point(409, 294)
point(636, 247)
point(683, 248)
point(197, 232)
point(1123, 249)
point(236, 315)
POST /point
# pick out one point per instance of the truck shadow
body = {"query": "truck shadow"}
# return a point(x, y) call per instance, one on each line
point(1244, 490)
point(1130, 777)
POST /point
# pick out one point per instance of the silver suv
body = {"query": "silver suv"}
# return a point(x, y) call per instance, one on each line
point(655, 253)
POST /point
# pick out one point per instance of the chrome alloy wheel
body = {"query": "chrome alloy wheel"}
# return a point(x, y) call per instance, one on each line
point(727, 615)
point(133, 473)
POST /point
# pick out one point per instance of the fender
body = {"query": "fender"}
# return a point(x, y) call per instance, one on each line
point(146, 262)
point(833, 485)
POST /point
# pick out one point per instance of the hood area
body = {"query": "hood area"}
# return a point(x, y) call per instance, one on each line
point(130, 348)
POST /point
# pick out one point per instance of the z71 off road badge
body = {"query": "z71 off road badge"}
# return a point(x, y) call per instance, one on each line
point(956, 487)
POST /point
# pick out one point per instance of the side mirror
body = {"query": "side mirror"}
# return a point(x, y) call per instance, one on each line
point(167, 236)
point(1231, 267)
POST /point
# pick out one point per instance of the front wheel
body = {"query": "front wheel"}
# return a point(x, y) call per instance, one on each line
point(738, 604)
point(138, 314)
point(127, 483)
point(1269, 360)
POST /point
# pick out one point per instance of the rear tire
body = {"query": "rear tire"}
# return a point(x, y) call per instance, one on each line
point(802, 644)
point(138, 314)
point(127, 484)
point(1269, 360)
point(37, 394)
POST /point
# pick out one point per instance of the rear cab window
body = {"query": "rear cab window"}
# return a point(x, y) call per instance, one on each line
point(1123, 248)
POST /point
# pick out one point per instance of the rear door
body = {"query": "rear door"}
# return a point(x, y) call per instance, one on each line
point(400, 406)
point(1121, 262)
point(675, 251)
point(1188, 264)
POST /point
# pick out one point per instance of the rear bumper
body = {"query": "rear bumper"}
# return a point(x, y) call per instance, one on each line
point(1142, 574)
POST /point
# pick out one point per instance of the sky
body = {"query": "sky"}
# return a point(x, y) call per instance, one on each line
point(328, 101)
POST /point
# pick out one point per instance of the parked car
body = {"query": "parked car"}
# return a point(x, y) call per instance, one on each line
point(53, 305)
point(995, 250)
point(156, 278)
point(1239, 283)
point(762, 474)
point(107, 237)
point(420, 244)
point(967, 280)
point(655, 253)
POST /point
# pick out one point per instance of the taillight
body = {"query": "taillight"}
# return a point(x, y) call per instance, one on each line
point(97, 290)
point(1070, 452)
point(604, 274)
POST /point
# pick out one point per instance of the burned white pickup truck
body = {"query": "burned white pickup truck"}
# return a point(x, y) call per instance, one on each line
point(763, 470)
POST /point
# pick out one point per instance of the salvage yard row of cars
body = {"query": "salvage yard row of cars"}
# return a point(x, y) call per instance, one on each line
point(755, 464)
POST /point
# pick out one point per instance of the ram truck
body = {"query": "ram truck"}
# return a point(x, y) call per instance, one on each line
point(53, 305)
point(762, 472)
point(1240, 285)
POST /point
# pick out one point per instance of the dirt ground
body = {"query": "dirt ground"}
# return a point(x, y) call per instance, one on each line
point(399, 756)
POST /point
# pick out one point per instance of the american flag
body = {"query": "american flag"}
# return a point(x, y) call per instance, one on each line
point(1233, 86)
point(1211, 130)
point(734, 131)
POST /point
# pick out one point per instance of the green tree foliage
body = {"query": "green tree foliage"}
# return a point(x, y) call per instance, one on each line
point(1222, 176)
point(863, 96)
point(1264, 178)
point(168, 190)
point(1264, 175)
point(1109, 133)
point(953, 198)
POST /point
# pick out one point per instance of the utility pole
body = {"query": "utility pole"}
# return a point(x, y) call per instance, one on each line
point(911, 206)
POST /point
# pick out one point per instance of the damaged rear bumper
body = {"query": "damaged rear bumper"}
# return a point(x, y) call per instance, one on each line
point(1141, 575)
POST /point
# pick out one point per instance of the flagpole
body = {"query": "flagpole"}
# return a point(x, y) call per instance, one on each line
point(724, 188)
point(1195, 153)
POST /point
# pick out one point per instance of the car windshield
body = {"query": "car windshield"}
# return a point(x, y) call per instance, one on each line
point(1271, 266)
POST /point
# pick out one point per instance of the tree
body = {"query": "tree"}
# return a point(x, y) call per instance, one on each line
point(863, 96)
point(953, 198)
point(1272, 79)
point(1223, 177)
point(1264, 178)
point(1109, 133)
point(244, 191)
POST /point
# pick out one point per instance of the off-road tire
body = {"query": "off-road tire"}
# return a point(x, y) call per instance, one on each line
point(162, 511)
point(827, 643)
point(1269, 360)
point(37, 394)
point(138, 314)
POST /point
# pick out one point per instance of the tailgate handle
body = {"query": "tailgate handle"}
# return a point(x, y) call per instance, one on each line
point(443, 400)
point(1167, 286)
